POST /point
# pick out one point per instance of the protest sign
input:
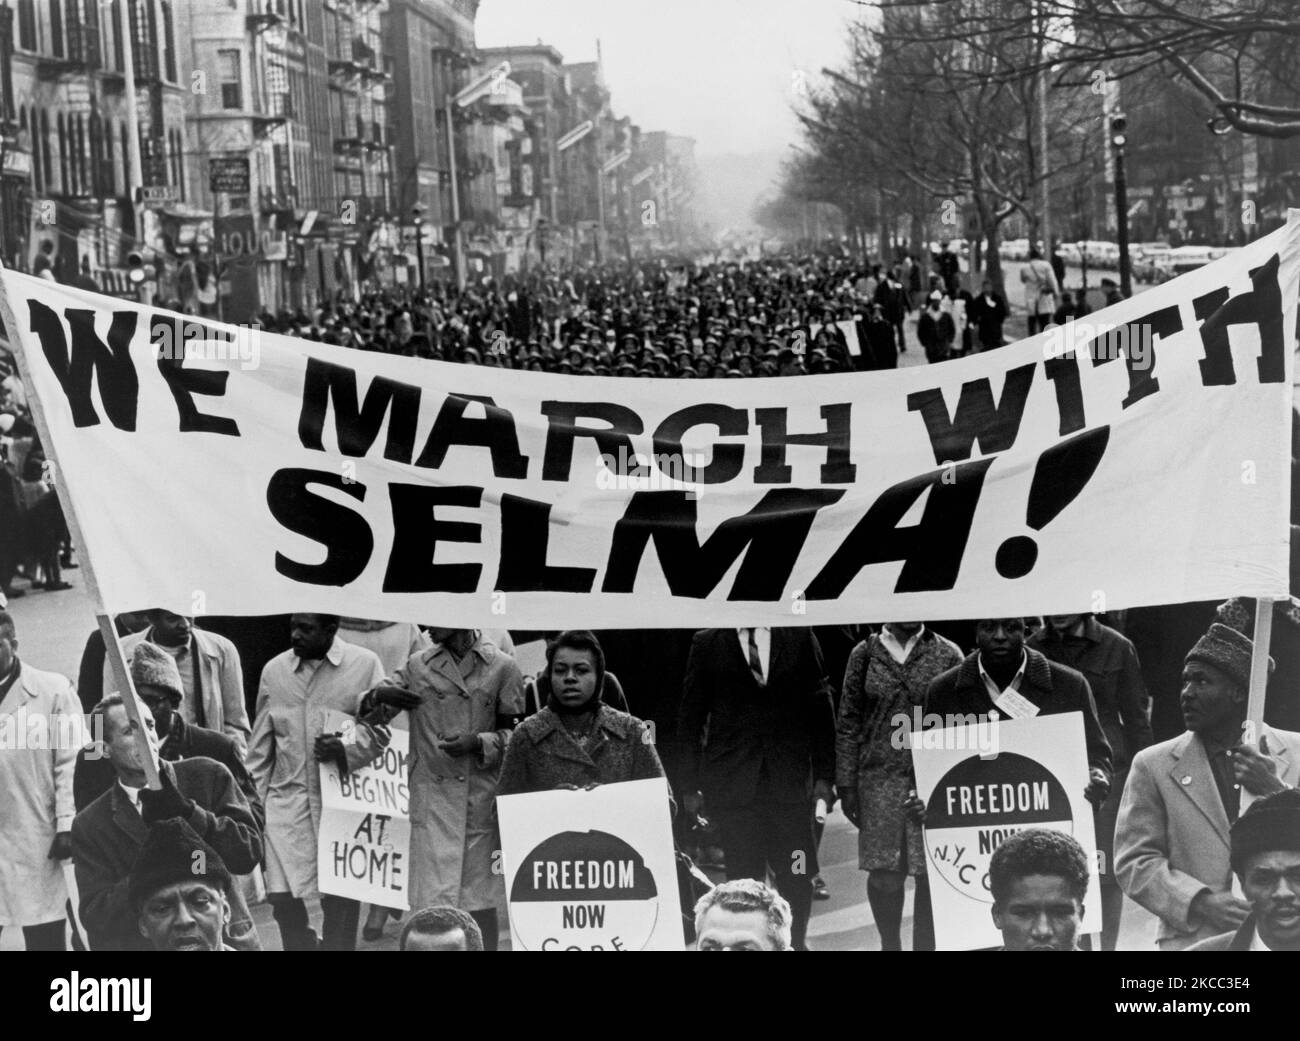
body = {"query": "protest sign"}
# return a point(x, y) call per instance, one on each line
point(364, 847)
point(973, 802)
point(1137, 457)
point(591, 870)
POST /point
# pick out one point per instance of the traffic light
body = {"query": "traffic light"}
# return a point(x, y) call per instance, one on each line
point(137, 270)
point(1118, 129)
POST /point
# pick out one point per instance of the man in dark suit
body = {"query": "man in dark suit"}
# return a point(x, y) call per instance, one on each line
point(107, 834)
point(1003, 679)
point(770, 752)
point(158, 682)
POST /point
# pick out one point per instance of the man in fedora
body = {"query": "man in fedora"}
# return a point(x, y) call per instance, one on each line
point(1172, 846)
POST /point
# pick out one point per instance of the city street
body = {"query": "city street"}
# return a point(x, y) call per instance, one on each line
point(52, 630)
point(519, 377)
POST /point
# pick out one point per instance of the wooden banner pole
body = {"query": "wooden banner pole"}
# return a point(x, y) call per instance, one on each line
point(112, 645)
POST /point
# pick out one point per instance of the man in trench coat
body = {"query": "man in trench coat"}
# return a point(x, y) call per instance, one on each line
point(306, 693)
point(465, 696)
point(36, 807)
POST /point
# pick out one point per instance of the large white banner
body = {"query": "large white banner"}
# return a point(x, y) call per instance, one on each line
point(978, 792)
point(591, 870)
point(1140, 457)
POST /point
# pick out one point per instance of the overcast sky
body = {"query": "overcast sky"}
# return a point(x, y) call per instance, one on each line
point(720, 71)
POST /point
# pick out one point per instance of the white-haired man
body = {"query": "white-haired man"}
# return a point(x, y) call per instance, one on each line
point(742, 915)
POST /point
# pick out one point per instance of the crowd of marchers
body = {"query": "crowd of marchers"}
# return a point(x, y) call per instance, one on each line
point(752, 736)
point(754, 729)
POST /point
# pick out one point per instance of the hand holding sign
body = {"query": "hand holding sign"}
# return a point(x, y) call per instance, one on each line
point(1255, 769)
point(329, 749)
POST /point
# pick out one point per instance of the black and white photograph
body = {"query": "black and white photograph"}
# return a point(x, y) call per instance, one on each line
point(966, 620)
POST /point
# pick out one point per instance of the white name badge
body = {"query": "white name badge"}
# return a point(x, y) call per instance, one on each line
point(1015, 706)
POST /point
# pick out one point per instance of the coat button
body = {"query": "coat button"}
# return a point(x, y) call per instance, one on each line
point(460, 777)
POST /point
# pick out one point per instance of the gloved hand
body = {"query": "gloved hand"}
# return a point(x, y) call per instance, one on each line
point(458, 745)
point(165, 803)
point(1098, 788)
point(398, 698)
point(329, 749)
point(61, 847)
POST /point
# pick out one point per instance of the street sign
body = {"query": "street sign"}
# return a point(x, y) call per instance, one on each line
point(643, 175)
point(483, 85)
point(228, 175)
point(155, 195)
point(614, 162)
point(575, 135)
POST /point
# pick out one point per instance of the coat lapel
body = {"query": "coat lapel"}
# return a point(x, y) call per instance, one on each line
point(562, 746)
point(18, 693)
point(443, 665)
point(1191, 774)
point(126, 817)
point(1281, 754)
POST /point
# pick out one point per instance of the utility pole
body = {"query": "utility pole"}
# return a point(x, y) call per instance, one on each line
point(1119, 137)
point(132, 126)
point(1043, 164)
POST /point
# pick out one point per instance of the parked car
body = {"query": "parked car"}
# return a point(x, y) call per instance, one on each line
point(1144, 256)
point(1182, 260)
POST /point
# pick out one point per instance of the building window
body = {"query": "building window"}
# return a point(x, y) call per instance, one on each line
point(116, 30)
point(47, 172)
point(27, 24)
point(77, 131)
point(63, 153)
point(110, 168)
point(178, 162)
point(228, 73)
point(168, 43)
point(56, 27)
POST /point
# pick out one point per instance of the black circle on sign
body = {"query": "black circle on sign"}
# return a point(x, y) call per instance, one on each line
point(1016, 557)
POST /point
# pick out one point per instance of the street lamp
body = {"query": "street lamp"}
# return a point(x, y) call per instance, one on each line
point(417, 212)
point(1119, 138)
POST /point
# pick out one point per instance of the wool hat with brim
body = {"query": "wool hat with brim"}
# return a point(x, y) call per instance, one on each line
point(1269, 825)
point(1226, 650)
point(173, 852)
point(152, 666)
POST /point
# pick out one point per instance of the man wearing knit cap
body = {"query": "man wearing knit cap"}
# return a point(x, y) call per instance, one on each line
point(1172, 847)
point(158, 683)
point(1266, 861)
point(179, 887)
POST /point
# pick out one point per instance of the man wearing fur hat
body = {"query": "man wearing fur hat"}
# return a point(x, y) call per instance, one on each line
point(1172, 847)
point(179, 888)
point(1266, 860)
point(158, 683)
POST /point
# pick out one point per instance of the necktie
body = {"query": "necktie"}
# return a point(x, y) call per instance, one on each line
point(755, 662)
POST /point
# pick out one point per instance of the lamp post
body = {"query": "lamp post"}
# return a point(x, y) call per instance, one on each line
point(1118, 138)
point(417, 212)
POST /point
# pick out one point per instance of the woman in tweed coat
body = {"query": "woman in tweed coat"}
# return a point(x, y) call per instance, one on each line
point(887, 675)
point(577, 741)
